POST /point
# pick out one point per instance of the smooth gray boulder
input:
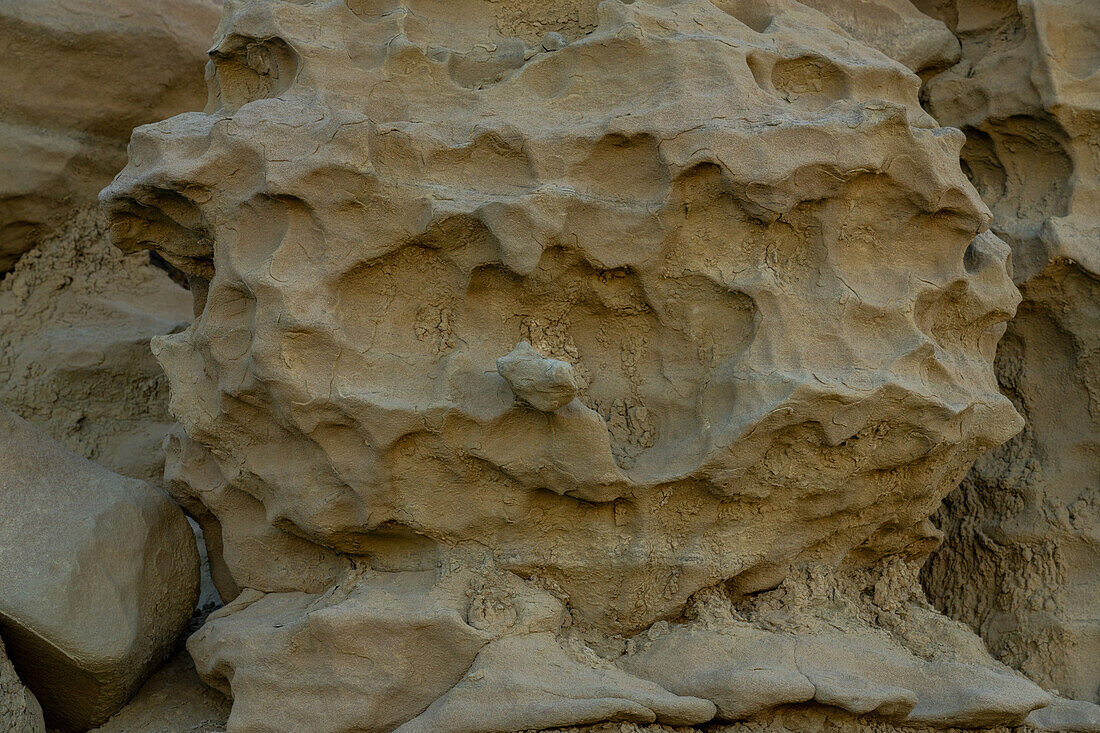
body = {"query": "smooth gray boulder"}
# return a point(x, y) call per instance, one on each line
point(99, 575)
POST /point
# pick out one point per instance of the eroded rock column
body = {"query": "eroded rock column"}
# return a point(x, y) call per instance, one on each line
point(1022, 559)
point(760, 308)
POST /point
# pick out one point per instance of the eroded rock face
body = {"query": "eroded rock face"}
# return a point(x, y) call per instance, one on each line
point(99, 575)
point(76, 316)
point(1021, 562)
point(896, 28)
point(735, 224)
point(78, 76)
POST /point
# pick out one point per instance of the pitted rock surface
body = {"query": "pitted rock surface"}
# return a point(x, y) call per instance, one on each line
point(760, 257)
point(1021, 563)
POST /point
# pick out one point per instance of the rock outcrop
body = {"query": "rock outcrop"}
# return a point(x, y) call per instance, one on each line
point(19, 710)
point(76, 317)
point(729, 235)
point(99, 575)
point(898, 29)
point(1021, 563)
point(78, 76)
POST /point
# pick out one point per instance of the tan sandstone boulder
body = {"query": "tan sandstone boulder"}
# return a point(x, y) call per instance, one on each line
point(78, 76)
point(99, 575)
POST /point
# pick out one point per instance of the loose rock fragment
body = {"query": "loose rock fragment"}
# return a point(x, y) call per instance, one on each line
point(545, 384)
point(553, 41)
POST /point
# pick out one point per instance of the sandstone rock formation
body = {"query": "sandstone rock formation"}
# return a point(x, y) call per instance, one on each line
point(896, 28)
point(19, 710)
point(78, 76)
point(1021, 562)
point(99, 575)
point(734, 225)
point(76, 316)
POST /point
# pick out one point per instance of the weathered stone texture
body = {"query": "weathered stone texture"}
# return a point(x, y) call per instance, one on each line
point(19, 709)
point(1021, 563)
point(760, 308)
point(76, 316)
point(896, 28)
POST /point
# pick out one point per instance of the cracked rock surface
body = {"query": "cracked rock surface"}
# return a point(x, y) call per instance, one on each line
point(1021, 562)
point(727, 232)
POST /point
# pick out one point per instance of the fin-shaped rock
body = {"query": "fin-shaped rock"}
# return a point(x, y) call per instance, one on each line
point(365, 656)
point(859, 695)
point(532, 682)
point(1066, 716)
point(742, 670)
point(746, 670)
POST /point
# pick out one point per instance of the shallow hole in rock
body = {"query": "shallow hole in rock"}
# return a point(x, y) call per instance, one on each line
point(756, 14)
point(809, 82)
point(248, 69)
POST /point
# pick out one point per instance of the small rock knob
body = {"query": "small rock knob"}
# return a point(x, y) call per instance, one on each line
point(554, 41)
point(545, 384)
